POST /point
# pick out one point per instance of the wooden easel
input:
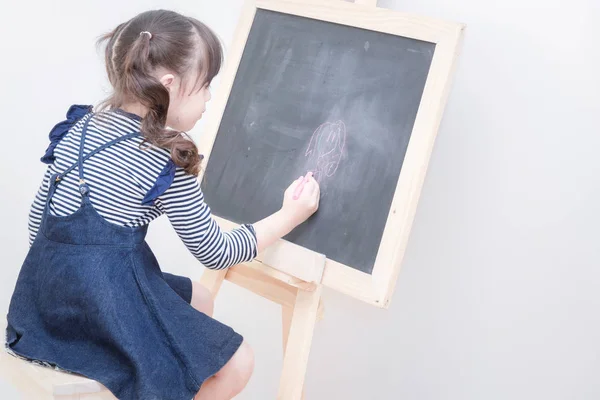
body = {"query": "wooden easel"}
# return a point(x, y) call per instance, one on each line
point(300, 300)
point(292, 276)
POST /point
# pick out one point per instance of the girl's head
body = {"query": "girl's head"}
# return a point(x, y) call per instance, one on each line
point(163, 62)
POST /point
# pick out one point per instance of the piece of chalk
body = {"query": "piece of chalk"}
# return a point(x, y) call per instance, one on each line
point(300, 186)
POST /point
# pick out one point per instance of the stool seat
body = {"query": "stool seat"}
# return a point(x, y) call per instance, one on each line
point(38, 382)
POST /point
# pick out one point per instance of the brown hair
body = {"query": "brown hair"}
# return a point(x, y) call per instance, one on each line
point(177, 43)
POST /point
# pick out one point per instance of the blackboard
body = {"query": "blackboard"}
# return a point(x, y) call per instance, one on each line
point(334, 99)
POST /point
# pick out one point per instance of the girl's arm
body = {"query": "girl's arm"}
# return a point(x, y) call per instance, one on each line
point(38, 205)
point(191, 218)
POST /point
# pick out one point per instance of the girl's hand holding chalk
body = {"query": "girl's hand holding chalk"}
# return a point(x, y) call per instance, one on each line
point(301, 199)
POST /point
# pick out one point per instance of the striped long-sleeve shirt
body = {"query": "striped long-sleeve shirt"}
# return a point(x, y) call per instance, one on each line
point(120, 176)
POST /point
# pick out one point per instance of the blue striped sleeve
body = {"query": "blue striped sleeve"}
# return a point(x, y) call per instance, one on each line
point(190, 216)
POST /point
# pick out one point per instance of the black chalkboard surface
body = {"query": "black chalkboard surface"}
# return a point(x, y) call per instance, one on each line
point(337, 100)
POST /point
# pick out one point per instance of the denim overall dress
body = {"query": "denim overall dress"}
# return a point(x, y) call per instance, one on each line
point(91, 299)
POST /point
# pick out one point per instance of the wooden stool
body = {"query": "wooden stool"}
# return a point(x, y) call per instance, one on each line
point(43, 383)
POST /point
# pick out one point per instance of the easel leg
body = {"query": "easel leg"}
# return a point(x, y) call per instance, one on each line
point(300, 329)
point(286, 318)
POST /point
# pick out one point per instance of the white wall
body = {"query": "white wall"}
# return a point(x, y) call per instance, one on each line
point(498, 296)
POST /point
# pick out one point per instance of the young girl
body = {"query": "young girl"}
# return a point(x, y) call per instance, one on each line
point(90, 297)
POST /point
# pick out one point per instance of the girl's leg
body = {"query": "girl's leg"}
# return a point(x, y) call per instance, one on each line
point(234, 376)
point(202, 299)
point(231, 379)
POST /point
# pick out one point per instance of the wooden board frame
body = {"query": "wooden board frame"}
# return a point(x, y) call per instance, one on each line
point(376, 288)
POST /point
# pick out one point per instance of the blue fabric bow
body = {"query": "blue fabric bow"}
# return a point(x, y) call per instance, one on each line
point(163, 182)
point(75, 113)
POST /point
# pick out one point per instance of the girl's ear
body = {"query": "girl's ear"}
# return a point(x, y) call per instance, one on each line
point(168, 81)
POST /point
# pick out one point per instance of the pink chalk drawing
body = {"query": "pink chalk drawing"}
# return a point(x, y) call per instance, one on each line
point(326, 148)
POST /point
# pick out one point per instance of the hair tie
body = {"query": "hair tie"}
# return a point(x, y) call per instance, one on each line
point(149, 34)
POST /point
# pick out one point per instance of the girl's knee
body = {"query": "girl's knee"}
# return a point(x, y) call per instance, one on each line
point(232, 378)
point(202, 299)
point(241, 364)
